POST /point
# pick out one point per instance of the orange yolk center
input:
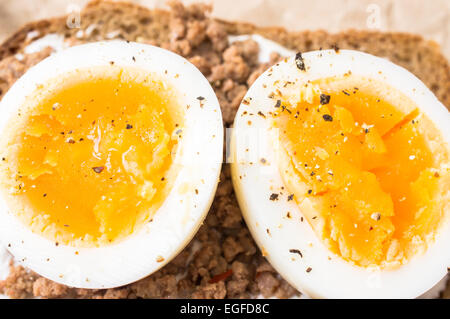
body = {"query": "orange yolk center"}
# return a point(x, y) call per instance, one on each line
point(91, 161)
point(364, 167)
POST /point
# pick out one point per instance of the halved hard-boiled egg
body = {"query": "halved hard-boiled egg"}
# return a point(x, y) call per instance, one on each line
point(340, 162)
point(111, 154)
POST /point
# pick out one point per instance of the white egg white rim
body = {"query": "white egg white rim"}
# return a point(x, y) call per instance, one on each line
point(179, 217)
point(255, 181)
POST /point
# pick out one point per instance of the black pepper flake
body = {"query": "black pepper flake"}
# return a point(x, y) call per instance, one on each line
point(299, 61)
point(263, 160)
point(309, 191)
point(345, 92)
point(129, 126)
point(98, 169)
point(312, 174)
point(290, 197)
point(324, 99)
point(134, 59)
point(278, 104)
point(201, 99)
point(274, 196)
point(296, 251)
point(45, 195)
point(327, 117)
point(308, 270)
point(261, 114)
point(335, 48)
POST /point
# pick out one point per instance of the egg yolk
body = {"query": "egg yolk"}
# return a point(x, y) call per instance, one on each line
point(91, 162)
point(363, 169)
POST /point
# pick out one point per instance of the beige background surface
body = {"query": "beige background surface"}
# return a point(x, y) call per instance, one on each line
point(430, 18)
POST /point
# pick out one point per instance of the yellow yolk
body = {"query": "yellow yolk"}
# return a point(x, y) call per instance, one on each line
point(91, 161)
point(360, 170)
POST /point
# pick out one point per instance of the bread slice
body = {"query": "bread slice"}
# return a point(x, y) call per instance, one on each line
point(229, 264)
point(422, 57)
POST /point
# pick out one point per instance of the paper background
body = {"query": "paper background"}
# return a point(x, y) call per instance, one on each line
point(429, 18)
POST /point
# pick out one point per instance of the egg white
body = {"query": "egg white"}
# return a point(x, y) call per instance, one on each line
point(319, 273)
point(175, 223)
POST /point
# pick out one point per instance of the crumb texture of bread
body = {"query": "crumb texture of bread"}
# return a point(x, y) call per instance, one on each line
point(222, 261)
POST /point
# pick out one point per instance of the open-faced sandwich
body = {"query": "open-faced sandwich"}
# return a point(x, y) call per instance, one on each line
point(335, 177)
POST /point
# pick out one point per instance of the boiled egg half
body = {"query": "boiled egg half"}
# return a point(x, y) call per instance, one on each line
point(340, 162)
point(111, 154)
